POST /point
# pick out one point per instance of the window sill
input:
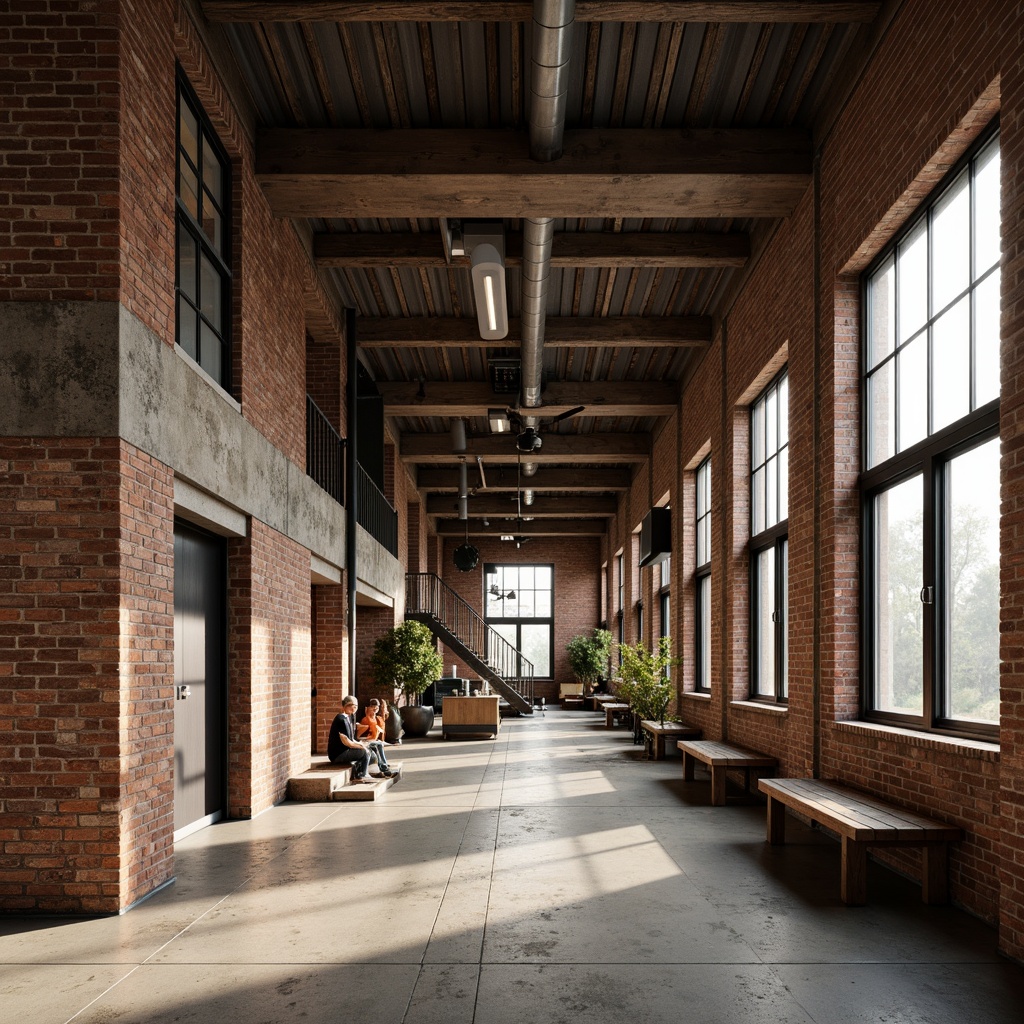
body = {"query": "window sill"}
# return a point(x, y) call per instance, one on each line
point(695, 695)
point(980, 749)
point(182, 354)
point(757, 705)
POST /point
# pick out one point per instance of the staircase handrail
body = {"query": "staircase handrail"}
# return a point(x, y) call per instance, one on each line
point(427, 593)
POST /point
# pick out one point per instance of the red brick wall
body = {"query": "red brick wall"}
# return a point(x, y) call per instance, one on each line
point(59, 138)
point(577, 567)
point(269, 616)
point(86, 743)
point(330, 659)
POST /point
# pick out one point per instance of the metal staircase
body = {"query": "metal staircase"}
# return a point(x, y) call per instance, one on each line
point(430, 600)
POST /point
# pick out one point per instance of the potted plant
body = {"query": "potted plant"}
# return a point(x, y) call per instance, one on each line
point(407, 656)
point(588, 657)
point(644, 682)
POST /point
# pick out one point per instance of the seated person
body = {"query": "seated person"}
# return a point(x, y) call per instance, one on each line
point(342, 745)
point(370, 730)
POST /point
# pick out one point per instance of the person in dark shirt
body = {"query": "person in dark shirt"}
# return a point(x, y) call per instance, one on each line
point(344, 748)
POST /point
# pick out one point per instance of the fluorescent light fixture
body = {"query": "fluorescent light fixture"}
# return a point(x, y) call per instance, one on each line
point(485, 243)
point(498, 421)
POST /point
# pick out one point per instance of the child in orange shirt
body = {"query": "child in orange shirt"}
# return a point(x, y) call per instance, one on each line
point(371, 729)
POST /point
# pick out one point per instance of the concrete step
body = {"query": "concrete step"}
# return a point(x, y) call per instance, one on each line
point(326, 781)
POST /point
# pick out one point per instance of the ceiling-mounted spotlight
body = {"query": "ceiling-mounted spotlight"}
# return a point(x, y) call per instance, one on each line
point(529, 440)
point(458, 431)
point(498, 421)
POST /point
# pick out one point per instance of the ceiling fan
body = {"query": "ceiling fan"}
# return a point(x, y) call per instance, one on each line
point(528, 439)
point(518, 537)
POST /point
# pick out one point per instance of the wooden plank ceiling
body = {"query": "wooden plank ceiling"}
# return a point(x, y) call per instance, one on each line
point(687, 136)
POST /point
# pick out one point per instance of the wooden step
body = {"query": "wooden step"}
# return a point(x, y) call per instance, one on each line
point(326, 781)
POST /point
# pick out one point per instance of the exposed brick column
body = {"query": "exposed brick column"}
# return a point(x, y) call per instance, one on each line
point(329, 660)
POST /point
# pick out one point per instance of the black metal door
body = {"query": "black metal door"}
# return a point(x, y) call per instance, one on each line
point(200, 585)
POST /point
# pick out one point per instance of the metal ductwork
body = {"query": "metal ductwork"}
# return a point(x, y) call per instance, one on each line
point(549, 86)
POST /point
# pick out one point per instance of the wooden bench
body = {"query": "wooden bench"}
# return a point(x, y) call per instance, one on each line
point(720, 757)
point(613, 709)
point(657, 733)
point(862, 821)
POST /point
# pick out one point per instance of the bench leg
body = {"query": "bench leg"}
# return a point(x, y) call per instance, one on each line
point(853, 886)
point(688, 762)
point(776, 822)
point(717, 786)
point(935, 873)
point(659, 748)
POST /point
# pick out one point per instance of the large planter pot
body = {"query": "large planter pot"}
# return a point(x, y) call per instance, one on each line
point(417, 719)
point(393, 726)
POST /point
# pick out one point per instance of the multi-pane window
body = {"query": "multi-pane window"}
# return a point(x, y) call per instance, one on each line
point(203, 260)
point(519, 606)
point(769, 503)
point(931, 484)
point(620, 568)
point(702, 579)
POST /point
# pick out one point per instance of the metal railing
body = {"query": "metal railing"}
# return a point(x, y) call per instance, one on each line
point(325, 452)
point(374, 512)
point(428, 594)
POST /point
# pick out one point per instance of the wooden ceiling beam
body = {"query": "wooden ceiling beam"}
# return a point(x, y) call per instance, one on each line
point(592, 449)
point(571, 249)
point(545, 506)
point(460, 398)
point(504, 479)
point(427, 172)
point(559, 332)
point(722, 11)
point(536, 528)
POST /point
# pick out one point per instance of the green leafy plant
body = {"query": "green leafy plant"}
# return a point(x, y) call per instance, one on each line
point(588, 655)
point(407, 656)
point(643, 680)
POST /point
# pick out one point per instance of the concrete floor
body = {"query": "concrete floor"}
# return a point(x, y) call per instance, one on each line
point(550, 875)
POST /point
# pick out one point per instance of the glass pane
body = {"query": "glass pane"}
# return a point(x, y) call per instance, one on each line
point(213, 226)
point(757, 503)
point(881, 414)
point(771, 422)
point(912, 266)
point(526, 605)
point(537, 647)
point(784, 483)
point(898, 612)
point(707, 486)
point(210, 291)
point(702, 494)
point(188, 258)
point(702, 543)
point(213, 171)
point(502, 657)
point(542, 577)
point(986, 209)
point(757, 435)
point(704, 605)
point(187, 318)
point(881, 313)
point(771, 498)
point(784, 615)
point(951, 244)
point(188, 188)
point(526, 577)
point(913, 395)
point(764, 641)
point(951, 365)
point(188, 129)
point(972, 599)
point(210, 353)
point(542, 604)
point(784, 410)
point(986, 340)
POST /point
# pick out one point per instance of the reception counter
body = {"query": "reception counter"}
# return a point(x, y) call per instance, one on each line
point(470, 716)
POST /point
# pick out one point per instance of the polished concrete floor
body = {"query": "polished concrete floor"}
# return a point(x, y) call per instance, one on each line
point(548, 876)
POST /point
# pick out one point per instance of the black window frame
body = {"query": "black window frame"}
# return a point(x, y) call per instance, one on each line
point(774, 537)
point(620, 563)
point(186, 224)
point(929, 459)
point(490, 569)
point(702, 575)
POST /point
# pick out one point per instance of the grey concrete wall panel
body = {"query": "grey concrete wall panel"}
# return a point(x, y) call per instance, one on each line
point(57, 369)
point(92, 369)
